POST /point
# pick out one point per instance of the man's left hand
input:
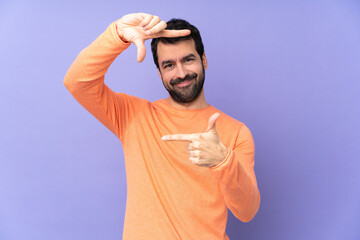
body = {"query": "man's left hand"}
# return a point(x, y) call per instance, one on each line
point(205, 149)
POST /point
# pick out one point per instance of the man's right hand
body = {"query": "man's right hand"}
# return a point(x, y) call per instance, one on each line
point(138, 27)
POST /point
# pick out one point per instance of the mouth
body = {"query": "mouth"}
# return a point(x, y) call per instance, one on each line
point(184, 83)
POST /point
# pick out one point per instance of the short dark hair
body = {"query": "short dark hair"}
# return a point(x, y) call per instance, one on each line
point(178, 24)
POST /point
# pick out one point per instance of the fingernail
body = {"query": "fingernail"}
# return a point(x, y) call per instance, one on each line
point(164, 138)
point(148, 32)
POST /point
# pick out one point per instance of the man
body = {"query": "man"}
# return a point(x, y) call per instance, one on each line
point(183, 172)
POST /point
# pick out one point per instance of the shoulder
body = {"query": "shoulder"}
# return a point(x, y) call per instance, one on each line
point(227, 122)
point(132, 104)
point(233, 130)
point(131, 99)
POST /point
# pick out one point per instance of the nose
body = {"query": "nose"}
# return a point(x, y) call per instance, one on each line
point(180, 71)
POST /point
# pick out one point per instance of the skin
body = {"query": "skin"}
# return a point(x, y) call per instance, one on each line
point(176, 61)
point(139, 27)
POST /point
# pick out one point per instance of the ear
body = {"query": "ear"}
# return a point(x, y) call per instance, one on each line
point(204, 60)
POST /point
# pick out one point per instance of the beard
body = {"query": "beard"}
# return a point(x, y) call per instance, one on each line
point(188, 93)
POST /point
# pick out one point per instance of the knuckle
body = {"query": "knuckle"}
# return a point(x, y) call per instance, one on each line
point(197, 137)
point(156, 29)
point(194, 160)
point(163, 24)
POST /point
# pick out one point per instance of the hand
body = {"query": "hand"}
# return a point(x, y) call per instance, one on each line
point(138, 27)
point(205, 149)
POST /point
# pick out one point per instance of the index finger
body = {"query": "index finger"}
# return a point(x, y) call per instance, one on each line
point(173, 33)
point(179, 137)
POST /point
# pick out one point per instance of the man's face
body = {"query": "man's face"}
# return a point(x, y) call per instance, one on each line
point(182, 70)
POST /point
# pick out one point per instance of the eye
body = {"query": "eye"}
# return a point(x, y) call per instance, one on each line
point(189, 59)
point(168, 65)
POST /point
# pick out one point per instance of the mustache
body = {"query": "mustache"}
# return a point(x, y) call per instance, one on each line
point(180, 80)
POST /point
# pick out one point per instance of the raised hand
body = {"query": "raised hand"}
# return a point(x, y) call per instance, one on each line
point(138, 27)
point(205, 149)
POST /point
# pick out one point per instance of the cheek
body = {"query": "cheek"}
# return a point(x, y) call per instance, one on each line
point(166, 81)
point(198, 68)
point(167, 77)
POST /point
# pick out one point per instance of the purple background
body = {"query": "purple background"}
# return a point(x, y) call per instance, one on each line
point(290, 70)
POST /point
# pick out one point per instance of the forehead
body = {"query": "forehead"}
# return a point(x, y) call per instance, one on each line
point(177, 50)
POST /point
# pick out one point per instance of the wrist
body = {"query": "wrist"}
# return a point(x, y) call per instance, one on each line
point(227, 154)
point(223, 153)
point(120, 34)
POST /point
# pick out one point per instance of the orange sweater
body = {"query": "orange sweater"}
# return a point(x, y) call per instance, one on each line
point(167, 196)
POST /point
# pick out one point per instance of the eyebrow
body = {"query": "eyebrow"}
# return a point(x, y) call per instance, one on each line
point(171, 61)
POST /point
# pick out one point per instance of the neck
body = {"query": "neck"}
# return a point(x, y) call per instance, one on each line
point(198, 103)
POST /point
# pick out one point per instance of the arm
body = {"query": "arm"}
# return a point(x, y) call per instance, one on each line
point(233, 168)
point(85, 78)
point(236, 178)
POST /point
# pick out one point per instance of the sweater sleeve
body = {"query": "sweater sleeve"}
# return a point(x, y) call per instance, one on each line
point(85, 81)
point(236, 177)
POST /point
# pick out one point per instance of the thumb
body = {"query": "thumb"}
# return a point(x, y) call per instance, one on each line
point(141, 50)
point(212, 121)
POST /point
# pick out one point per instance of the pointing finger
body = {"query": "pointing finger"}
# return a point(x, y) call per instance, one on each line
point(212, 121)
point(179, 137)
point(173, 33)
